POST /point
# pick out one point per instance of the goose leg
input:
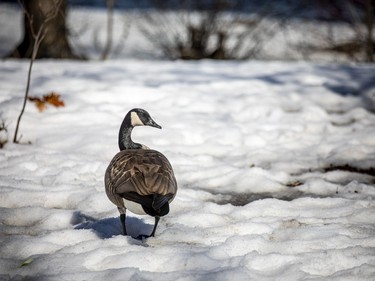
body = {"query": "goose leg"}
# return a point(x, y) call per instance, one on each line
point(144, 236)
point(155, 225)
point(122, 219)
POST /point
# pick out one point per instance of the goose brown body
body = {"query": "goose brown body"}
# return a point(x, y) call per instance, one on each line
point(143, 172)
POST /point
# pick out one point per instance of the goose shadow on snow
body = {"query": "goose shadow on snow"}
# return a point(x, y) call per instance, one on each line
point(109, 227)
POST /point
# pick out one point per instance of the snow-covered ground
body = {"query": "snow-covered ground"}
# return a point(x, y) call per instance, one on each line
point(239, 136)
point(275, 164)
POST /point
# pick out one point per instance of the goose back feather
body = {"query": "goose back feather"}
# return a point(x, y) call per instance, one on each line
point(136, 174)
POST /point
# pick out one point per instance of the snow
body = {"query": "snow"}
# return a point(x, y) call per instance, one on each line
point(274, 162)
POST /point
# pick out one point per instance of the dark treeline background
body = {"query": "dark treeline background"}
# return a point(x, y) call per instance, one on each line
point(242, 35)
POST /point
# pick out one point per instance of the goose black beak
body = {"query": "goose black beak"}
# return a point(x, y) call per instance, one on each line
point(152, 123)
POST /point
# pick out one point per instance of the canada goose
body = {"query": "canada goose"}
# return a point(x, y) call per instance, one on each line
point(138, 178)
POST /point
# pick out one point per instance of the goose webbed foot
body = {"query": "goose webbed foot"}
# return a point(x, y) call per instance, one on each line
point(144, 236)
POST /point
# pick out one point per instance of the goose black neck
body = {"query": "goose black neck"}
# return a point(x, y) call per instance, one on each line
point(124, 138)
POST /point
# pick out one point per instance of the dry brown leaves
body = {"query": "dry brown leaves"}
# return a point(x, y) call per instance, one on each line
point(52, 98)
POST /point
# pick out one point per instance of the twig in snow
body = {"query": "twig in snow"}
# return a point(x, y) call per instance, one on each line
point(38, 37)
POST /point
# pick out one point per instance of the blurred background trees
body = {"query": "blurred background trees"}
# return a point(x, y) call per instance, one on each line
point(214, 29)
point(358, 15)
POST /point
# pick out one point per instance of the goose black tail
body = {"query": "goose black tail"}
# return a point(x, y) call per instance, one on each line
point(153, 205)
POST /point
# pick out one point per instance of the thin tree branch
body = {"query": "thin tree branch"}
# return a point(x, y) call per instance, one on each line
point(38, 38)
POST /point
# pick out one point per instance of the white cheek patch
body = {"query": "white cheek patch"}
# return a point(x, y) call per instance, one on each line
point(135, 120)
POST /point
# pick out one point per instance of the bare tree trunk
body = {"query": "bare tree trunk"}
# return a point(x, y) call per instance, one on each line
point(369, 21)
point(55, 42)
point(108, 46)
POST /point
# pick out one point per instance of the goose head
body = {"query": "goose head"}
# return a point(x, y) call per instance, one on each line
point(140, 117)
point(135, 117)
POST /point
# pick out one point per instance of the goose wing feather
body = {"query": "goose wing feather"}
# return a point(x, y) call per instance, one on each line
point(144, 172)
